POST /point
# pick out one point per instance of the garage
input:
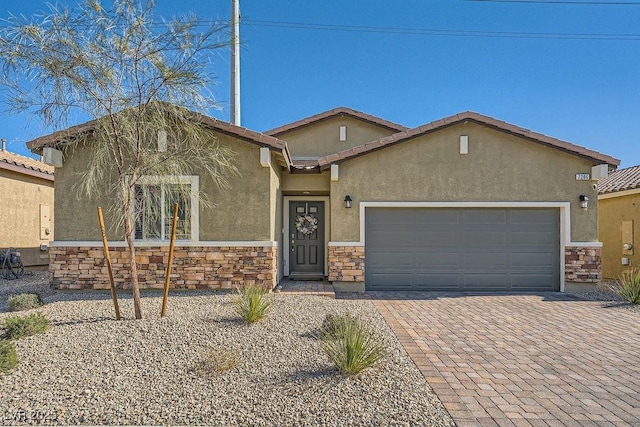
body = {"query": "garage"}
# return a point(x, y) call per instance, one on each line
point(462, 249)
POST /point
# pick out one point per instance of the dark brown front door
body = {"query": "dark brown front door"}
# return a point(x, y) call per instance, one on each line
point(306, 234)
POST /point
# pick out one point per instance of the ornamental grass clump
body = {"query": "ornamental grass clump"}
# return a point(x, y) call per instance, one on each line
point(252, 303)
point(627, 286)
point(8, 356)
point(19, 327)
point(350, 344)
point(217, 360)
point(24, 302)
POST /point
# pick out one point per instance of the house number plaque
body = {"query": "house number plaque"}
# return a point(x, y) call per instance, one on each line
point(583, 177)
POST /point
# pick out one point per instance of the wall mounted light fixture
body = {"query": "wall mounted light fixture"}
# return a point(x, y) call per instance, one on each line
point(347, 201)
point(584, 201)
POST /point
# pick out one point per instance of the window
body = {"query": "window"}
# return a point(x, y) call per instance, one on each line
point(154, 208)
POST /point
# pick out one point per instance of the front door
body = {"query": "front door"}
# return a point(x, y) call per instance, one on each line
point(306, 234)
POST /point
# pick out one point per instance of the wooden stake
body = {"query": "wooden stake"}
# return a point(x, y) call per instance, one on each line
point(170, 262)
point(114, 297)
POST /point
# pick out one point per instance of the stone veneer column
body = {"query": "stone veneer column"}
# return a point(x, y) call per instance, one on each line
point(582, 264)
point(199, 267)
point(346, 263)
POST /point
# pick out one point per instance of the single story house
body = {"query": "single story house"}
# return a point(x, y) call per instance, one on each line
point(467, 202)
point(619, 221)
point(26, 211)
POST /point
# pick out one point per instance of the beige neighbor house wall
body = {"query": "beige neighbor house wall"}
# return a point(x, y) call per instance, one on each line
point(498, 168)
point(323, 138)
point(236, 245)
point(23, 199)
point(613, 210)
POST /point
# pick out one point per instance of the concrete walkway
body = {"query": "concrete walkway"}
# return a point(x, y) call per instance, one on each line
point(522, 360)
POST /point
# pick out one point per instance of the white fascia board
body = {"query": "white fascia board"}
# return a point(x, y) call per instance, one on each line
point(158, 243)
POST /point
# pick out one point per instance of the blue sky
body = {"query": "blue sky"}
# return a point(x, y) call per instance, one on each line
point(498, 58)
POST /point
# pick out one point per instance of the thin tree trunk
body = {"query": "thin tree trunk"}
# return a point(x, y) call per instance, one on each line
point(128, 229)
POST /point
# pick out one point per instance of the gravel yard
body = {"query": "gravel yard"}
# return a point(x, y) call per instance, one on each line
point(91, 369)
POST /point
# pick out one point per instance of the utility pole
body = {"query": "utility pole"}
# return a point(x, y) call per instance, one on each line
point(235, 63)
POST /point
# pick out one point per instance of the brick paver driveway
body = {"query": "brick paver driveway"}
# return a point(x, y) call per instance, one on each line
point(522, 359)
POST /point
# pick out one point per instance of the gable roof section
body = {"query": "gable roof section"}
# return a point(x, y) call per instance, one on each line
point(340, 111)
point(467, 116)
point(620, 180)
point(74, 132)
point(25, 165)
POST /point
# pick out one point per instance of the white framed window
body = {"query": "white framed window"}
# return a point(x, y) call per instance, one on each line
point(153, 208)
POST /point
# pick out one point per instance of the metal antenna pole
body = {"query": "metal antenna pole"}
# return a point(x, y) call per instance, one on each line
point(235, 62)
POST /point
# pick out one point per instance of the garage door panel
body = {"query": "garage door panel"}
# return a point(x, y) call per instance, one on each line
point(484, 282)
point(531, 282)
point(485, 261)
point(543, 238)
point(484, 238)
point(481, 249)
point(532, 260)
point(441, 260)
point(430, 238)
point(434, 218)
point(437, 281)
point(391, 260)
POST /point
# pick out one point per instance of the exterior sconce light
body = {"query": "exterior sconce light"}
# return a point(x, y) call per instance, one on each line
point(347, 201)
point(584, 201)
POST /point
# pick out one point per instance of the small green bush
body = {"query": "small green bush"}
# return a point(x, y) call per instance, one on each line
point(350, 344)
point(216, 360)
point(252, 303)
point(8, 356)
point(24, 302)
point(19, 327)
point(627, 286)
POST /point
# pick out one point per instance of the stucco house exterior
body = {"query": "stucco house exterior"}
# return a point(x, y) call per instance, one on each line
point(26, 211)
point(467, 202)
point(619, 221)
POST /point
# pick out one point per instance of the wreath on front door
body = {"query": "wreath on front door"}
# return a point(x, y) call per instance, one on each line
point(306, 224)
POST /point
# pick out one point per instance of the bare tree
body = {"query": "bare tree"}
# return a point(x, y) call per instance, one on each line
point(139, 80)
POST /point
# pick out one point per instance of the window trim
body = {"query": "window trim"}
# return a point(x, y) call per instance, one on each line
point(194, 181)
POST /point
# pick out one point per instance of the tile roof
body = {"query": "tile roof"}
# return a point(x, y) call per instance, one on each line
point(620, 180)
point(340, 111)
point(469, 116)
point(25, 162)
point(72, 133)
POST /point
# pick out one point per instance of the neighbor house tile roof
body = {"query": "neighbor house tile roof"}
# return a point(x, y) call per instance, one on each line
point(620, 180)
point(26, 163)
point(467, 116)
point(340, 111)
point(74, 132)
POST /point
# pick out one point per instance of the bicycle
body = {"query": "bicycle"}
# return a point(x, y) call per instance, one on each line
point(11, 263)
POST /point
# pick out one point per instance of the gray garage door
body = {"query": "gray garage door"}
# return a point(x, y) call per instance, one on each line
point(462, 249)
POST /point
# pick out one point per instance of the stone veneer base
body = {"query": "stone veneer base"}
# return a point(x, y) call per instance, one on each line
point(346, 263)
point(225, 267)
point(582, 265)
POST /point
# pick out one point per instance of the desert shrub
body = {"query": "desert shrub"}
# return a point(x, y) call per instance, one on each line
point(18, 327)
point(350, 344)
point(252, 303)
point(216, 360)
point(8, 356)
point(627, 286)
point(24, 302)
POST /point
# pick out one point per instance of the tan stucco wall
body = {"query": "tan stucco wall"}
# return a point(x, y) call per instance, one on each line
point(316, 183)
point(238, 213)
point(276, 211)
point(499, 167)
point(612, 211)
point(243, 211)
point(22, 196)
point(323, 138)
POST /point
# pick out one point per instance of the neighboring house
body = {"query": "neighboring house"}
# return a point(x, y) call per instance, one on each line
point(463, 203)
point(26, 209)
point(619, 221)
